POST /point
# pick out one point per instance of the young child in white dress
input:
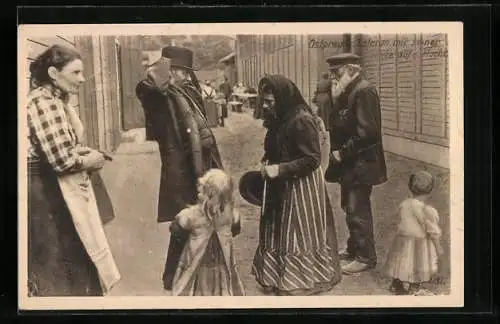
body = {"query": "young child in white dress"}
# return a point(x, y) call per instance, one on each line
point(207, 266)
point(413, 257)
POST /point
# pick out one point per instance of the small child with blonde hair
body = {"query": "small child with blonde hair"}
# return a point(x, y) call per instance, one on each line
point(207, 266)
point(413, 257)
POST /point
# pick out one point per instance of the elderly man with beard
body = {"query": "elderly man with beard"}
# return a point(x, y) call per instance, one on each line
point(187, 146)
point(357, 158)
point(183, 73)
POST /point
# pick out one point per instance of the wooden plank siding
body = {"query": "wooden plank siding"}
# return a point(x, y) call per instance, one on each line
point(88, 93)
point(98, 102)
point(111, 91)
point(288, 55)
point(412, 84)
point(131, 73)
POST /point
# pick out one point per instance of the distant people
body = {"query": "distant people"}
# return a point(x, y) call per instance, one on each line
point(225, 89)
point(252, 101)
point(297, 252)
point(357, 158)
point(209, 95)
point(239, 88)
point(413, 257)
point(251, 90)
point(208, 92)
point(323, 99)
point(207, 266)
point(68, 252)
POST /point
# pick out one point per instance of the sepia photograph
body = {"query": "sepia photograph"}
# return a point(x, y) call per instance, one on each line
point(306, 165)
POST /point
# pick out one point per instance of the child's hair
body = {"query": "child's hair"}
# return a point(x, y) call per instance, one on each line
point(421, 183)
point(217, 187)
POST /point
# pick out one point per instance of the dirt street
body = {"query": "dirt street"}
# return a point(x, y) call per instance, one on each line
point(139, 243)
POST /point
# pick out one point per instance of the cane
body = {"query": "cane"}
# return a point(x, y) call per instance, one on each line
point(264, 195)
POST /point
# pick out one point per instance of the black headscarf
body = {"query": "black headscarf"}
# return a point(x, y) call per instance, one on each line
point(289, 100)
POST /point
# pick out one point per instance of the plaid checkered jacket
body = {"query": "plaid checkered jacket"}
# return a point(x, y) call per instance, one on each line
point(51, 137)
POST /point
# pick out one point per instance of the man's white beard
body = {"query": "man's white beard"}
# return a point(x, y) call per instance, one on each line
point(339, 87)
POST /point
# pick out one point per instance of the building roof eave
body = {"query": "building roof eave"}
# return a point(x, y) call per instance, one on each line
point(227, 57)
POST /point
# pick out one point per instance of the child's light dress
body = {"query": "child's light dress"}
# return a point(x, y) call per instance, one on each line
point(412, 257)
point(207, 266)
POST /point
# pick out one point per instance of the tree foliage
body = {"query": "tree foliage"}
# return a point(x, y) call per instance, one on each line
point(208, 49)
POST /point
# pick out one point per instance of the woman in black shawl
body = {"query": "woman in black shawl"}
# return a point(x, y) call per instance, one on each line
point(297, 252)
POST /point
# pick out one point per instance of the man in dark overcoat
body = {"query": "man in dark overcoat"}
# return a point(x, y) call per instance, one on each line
point(187, 149)
point(183, 72)
point(357, 160)
point(323, 99)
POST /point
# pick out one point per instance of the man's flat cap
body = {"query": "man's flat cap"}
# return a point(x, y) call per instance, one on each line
point(337, 60)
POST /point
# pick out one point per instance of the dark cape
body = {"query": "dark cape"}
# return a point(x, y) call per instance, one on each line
point(187, 149)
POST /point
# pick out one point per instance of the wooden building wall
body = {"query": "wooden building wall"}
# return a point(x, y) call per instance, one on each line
point(288, 55)
point(98, 102)
point(412, 80)
point(131, 73)
point(413, 84)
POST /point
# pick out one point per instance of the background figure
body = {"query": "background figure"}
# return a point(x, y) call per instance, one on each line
point(297, 251)
point(208, 95)
point(187, 149)
point(323, 99)
point(61, 262)
point(225, 89)
point(252, 102)
point(358, 162)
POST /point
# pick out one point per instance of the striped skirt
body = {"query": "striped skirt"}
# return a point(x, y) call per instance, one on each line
point(297, 252)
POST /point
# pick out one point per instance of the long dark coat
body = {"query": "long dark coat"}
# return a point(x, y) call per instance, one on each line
point(357, 131)
point(187, 145)
point(193, 89)
point(323, 99)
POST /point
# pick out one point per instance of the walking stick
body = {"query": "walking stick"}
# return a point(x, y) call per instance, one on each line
point(264, 195)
